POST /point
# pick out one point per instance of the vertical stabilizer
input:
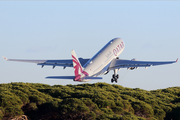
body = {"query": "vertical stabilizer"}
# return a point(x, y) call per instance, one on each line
point(76, 64)
point(78, 69)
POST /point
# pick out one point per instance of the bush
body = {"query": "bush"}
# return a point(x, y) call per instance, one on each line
point(1, 112)
point(33, 106)
point(38, 100)
point(88, 101)
point(24, 97)
point(107, 110)
point(127, 106)
point(159, 113)
point(142, 109)
point(128, 116)
point(117, 110)
point(12, 111)
point(73, 107)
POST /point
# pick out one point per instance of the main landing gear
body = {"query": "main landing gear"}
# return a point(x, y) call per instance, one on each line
point(115, 76)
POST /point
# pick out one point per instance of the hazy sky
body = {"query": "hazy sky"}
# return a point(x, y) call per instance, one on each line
point(50, 30)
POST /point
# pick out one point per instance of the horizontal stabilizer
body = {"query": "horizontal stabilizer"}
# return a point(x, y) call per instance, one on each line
point(61, 77)
point(71, 77)
point(92, 78)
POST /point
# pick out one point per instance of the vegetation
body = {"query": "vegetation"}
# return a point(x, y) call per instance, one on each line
point(87, 102)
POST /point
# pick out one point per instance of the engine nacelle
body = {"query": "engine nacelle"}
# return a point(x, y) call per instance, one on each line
point(132, 68)
point(134, 59)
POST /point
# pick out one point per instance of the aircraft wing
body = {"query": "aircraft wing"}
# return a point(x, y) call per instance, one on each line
point(63, 63)
point(119, 63)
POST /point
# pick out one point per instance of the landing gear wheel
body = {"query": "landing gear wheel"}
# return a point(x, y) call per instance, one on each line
point(113, 76)
point(112, 80)
point(117, 76)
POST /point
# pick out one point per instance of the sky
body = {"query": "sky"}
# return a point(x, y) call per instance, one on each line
point(51, 29)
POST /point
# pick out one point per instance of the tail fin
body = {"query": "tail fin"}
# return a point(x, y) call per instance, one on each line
point(78, 69)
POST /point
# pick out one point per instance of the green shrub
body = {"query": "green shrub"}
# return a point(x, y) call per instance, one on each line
point(32, 106)
point(88, 101)
point(24, 97)
point(70, 105)
point(128, 116)
point(117, 109)
point(9, 99)
point(12, 111)
point(119, 103)
point(159, 113)
point(142, 109)
point(107, 110)
point(1, 112)
point(38, 100)
point(127, 106)
point(103, 103)
point(90, 116)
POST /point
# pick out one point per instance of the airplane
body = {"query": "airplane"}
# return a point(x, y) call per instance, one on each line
point(101, 63)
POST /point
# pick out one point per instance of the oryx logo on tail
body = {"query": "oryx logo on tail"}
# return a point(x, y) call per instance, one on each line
point(78, 69)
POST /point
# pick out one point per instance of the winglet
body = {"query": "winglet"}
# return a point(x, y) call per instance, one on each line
point(5, 58)
point(177, 60)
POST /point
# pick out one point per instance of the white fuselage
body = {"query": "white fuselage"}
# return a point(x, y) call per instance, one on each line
point(100, 62)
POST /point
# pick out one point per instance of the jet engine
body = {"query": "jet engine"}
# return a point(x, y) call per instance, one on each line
point(132, 68)
point(134, 59)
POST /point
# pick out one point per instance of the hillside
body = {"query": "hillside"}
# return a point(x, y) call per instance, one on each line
point(87, 102)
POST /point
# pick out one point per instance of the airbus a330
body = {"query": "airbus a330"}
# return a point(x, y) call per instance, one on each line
point(101, 63)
